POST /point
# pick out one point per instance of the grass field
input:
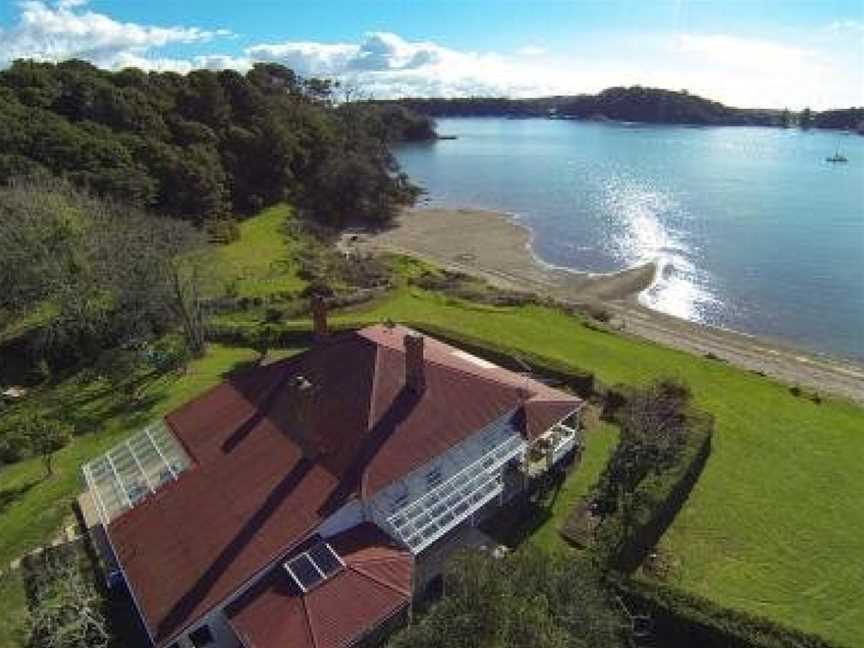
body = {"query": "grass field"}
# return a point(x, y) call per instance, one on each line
point(262, 261)
point(775, 525)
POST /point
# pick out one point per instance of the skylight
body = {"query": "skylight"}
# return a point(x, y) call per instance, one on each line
point(134, 469)
point(314, 566)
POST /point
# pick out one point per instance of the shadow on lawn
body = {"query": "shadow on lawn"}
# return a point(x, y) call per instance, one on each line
point(517, 521)
point(8, 496)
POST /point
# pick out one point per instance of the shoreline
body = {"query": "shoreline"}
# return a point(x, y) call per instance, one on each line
point(496, 247)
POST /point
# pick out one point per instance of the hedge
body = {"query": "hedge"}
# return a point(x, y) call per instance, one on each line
point(683, 619)
point(658, 499)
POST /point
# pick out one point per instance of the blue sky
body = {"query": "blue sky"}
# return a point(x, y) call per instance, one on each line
point(771, 53)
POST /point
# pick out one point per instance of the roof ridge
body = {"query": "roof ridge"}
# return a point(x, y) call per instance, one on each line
point(308, 622)
point(490, 379)
point(358, 568)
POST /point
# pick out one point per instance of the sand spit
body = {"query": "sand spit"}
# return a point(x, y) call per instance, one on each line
point(490, 245)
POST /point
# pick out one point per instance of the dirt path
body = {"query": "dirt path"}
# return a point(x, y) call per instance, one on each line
point(492, 246)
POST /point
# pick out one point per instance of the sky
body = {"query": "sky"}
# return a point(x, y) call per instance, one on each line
point(747, 53)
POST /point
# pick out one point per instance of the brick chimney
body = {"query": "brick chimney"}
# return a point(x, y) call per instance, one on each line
point(415, 376)
point(303, 404)
point(319, 317)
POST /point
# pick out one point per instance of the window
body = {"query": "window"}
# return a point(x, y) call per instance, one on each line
point(313, 566)
point(434, 477)
point(201, 637)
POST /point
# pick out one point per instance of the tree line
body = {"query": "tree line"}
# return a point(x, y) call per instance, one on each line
point(206, 145)
point(638, 104)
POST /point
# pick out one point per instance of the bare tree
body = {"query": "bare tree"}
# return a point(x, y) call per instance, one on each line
point(66, 611)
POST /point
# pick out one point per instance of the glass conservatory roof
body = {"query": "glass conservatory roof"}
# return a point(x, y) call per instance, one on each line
point(133, 469)
point(429, 517)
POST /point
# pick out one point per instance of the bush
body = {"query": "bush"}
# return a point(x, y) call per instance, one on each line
point(66, 607)
point(14, 444)
point(222, 231)
point(656, 500)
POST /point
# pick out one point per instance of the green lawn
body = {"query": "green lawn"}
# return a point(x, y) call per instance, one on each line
point(261, 262)
point(13, 610)
point(599, 444)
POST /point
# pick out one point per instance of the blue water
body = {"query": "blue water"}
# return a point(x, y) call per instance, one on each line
point(753, 229)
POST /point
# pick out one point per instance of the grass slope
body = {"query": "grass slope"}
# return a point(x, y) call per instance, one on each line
point(261, 262)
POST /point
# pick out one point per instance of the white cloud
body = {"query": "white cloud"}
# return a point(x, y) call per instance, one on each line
point(745, 53)
point(386, 65)
point(531, 50)
point(64, 30)
point(762, 73)
point(854, 27)
point(820, 69)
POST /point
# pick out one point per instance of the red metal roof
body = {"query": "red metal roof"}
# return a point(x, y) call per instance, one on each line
point(375, 584)
point(251, 496)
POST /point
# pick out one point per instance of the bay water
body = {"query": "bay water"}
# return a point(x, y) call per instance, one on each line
point(752, 228)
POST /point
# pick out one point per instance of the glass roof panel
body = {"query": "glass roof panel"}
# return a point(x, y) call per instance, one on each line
point(134, 469)
point(304, 572)
point(326, 559)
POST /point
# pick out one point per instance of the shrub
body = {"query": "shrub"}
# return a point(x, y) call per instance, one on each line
point(655, 501)
point(66, 607)
point(273, 315)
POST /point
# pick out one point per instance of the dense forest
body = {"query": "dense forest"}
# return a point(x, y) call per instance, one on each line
point(847, 119)
point(638, 104)
point(208, 144)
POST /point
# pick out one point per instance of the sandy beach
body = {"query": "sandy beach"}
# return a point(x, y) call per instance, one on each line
point(490, 245)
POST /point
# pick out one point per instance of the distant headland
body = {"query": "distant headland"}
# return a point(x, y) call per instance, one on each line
point(637, 104)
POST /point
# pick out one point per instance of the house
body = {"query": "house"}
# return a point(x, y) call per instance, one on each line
point(293, 504)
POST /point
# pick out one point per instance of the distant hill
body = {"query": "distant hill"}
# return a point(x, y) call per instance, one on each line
point(636, 103)
point(846, 119)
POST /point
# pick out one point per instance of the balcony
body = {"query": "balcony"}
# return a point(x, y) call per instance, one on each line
point(549, 449)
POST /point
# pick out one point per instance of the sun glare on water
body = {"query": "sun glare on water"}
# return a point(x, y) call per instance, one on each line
point(639, 217)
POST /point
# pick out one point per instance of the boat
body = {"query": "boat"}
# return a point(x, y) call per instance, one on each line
point(837, 158)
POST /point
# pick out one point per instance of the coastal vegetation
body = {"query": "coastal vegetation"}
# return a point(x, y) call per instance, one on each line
point(636, 104)
point(208, 145)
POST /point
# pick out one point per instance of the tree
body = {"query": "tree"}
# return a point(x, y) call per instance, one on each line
point(785, 118)
point(806, 119)
point(106, 275)
point(653, 435)
point(66, 609)
point(525, 600)
point(195, 147)
point(45, 435)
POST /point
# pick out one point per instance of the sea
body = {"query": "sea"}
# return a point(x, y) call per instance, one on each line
point(752, 228)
